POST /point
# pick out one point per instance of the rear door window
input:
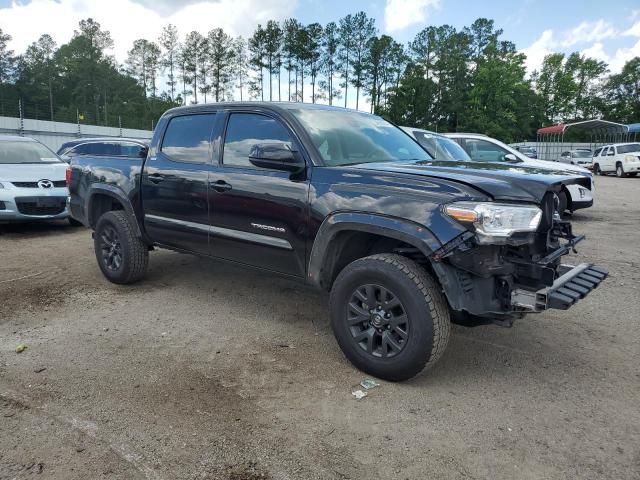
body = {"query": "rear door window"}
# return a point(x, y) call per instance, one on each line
point(188, 137)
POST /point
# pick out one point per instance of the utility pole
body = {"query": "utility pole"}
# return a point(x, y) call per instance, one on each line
point(21, 132)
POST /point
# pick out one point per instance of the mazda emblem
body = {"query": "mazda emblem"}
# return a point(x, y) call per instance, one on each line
point(45, 184)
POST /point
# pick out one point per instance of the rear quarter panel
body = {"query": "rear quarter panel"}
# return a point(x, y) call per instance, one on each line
point(90, 174)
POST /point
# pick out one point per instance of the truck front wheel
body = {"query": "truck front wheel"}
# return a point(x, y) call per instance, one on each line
point(121, 255)
point(389, 316)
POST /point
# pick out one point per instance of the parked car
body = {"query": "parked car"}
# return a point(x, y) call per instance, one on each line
point(527, 151)
point(623, 159)
point(32, 181)
point(348, 203)
point(579, 156)
point(103, 147)
point(486, 149)
point(438, 146)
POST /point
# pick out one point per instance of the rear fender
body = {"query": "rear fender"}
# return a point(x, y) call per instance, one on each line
point(116, 194)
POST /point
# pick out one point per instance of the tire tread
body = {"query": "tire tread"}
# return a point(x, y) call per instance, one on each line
point(137, 249)
point(433, 297)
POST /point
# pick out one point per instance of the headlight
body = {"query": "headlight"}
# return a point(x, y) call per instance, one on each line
point(630, 159)
point(495, 221)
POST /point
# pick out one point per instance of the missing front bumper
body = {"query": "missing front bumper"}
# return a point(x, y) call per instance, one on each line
point(572, 285)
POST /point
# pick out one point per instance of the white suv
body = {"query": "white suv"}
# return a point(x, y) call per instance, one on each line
point(486, 149)
point(621, 158)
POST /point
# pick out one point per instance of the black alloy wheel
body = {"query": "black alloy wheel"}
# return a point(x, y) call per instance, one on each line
point(110, 248)
point(389, 316)
point(121, 254)
point(378, 321)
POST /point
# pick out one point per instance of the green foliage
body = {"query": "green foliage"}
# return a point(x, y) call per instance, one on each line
point(623, 93)
point(445, 79)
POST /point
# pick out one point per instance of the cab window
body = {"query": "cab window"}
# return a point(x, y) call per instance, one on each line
point(187, 138)
point(245, 130)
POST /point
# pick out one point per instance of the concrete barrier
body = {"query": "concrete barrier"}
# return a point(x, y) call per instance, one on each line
point(54, 134)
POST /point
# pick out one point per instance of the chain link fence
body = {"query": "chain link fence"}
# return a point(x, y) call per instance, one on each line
point(97, 117)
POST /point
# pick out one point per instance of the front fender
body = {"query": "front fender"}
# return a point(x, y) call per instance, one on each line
point(406, 231)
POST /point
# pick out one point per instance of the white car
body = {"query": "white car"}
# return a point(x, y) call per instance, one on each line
point(579, 156)
point(482, 148)
point(623, 159)
point(32, 181)
point(437, 145)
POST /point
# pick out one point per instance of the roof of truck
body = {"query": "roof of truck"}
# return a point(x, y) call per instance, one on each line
point(269, 105)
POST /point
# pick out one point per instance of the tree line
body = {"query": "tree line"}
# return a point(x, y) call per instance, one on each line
point(445, 79)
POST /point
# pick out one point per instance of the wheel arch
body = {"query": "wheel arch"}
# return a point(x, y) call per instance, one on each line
point(106, 198)
point(347, 236)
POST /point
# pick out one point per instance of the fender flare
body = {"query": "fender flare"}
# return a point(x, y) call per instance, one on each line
point(115, 193)
point(406, 231)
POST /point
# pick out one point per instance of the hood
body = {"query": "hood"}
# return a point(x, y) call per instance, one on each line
point(31, 172)
point(556, 166)
point(507, 182)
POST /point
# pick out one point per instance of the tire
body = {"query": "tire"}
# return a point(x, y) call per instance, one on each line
point(121, 255)
point(620, 171)
point(74, 223)
point(596, 169)
point(422, 314)
point(563, 203)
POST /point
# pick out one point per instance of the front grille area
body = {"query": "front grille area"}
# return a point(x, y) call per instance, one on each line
point(41, 205)
point(56, 184)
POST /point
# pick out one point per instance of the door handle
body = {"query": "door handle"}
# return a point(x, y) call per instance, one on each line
point(155, 178)
point(220, 186)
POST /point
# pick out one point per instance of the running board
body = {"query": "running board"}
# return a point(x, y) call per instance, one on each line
point(573, 285)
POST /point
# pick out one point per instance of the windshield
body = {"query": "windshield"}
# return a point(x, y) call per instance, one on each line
point(633, 147)
point(25, 152)
point(581, 154)
point(441, 148)
point(345, 137)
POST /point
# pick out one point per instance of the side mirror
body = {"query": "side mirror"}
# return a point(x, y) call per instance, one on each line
point(510, 157)
point(276, 156)
point(611, 154)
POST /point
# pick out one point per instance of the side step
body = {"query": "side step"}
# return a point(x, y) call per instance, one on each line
point(573, 285)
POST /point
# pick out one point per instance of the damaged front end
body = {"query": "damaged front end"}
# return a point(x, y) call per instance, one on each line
point(507, 267)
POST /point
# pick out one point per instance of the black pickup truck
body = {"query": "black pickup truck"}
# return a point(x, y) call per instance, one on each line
point(349, 203)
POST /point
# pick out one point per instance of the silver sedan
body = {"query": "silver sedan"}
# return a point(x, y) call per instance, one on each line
point(32, 181)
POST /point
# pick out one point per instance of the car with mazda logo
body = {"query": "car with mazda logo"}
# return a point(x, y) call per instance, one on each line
point(32, 182)
point(350, 204)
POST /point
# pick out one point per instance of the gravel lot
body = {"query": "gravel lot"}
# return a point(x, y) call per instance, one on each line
point(208, 371)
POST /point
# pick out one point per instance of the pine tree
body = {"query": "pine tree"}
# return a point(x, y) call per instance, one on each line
point(257, 53)
point(363, 31)
point(171, 47)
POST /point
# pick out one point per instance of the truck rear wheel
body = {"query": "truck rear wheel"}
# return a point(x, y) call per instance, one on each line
point(389, 316)
point(121, 255)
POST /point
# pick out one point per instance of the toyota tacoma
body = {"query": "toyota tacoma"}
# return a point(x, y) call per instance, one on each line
point(348, 203)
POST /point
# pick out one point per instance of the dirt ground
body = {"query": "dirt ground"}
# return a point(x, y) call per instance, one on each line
point(208, 371)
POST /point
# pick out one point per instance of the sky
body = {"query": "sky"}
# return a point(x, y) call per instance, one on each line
point(609, 31)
